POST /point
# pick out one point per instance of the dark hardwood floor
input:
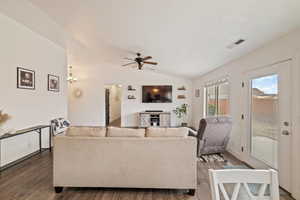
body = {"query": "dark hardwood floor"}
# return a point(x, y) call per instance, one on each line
point(32, 180)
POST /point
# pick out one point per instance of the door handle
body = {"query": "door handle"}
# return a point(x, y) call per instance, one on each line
point(285, 132)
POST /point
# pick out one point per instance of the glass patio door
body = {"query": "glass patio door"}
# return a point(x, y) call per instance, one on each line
point(268, 119)
point(265, 119)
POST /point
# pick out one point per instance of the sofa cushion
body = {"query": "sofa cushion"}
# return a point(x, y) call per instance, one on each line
point(82, 131)
point(125, 132)
point(167, 132)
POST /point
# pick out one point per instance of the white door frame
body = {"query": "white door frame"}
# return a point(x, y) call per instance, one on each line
point(119, 85)
point(296, 126)
point(259, 72)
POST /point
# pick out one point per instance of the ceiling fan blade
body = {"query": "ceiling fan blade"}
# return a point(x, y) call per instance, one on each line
point(129, 59)
point(147, 58)
point(151, 63)
point(128, 64)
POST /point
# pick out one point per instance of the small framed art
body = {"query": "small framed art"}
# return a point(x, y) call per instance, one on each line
point(25, 78)
point(53, 83)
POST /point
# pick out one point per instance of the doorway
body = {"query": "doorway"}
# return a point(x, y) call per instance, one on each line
point(113, 102)
point(269, 120)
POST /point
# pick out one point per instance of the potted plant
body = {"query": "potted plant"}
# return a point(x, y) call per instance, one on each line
point(181, 113)
point(4, 117)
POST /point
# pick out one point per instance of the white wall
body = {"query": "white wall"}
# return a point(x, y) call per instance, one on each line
point(287, 47)
point(94, 69)
point(22, 47)
point(34, 19)
point(90, 110)
point(131, 107)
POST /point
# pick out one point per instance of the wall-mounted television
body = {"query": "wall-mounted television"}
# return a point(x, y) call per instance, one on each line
point(157, 94)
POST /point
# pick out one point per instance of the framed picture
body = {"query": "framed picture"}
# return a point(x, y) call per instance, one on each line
point(25, 78)
point(53, 83)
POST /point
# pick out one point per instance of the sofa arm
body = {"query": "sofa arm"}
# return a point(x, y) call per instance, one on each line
point(193, 132)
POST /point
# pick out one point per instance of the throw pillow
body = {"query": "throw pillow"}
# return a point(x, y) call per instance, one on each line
point(125, 132)
point(76, 131)
point(167, 132)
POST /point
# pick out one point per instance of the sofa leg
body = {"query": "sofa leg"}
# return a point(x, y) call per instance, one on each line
point(58, 189)
point(191, 192)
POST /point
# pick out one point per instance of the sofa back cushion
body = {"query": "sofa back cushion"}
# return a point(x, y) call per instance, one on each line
point(125, 132)
point(167, 132)
point(78, 131)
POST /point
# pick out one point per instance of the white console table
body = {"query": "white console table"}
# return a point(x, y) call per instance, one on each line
point(154, 119)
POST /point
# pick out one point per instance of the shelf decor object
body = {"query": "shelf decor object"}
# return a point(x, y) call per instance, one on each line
point(131, 97)
point(71, 79)
point(181, 97)
point(130, 88)
point(181, 88)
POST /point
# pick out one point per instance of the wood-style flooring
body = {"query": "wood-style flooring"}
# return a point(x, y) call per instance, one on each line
point(116, 123)
point(32, 180)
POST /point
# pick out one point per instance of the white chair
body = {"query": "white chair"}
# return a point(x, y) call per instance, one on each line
point(244, 178)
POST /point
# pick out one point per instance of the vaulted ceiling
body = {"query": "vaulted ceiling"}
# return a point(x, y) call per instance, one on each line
point(187, 38)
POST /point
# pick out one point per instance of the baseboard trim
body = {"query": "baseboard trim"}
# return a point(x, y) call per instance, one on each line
point(11, 164)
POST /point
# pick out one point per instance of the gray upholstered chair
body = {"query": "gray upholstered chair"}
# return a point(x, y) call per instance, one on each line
point(213, 135)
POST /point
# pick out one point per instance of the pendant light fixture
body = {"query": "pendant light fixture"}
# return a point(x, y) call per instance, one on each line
point(71, 79)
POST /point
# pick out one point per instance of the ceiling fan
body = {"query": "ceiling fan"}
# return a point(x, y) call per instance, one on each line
point(140, 61)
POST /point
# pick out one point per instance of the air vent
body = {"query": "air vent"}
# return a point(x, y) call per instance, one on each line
point(240, 41)
point(235, 44)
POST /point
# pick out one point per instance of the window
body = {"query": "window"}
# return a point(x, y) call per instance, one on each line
point(217, 99)
point(265, 119)
point(211, 101)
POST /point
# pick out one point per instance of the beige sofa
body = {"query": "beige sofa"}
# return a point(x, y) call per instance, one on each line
point(125, 162)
